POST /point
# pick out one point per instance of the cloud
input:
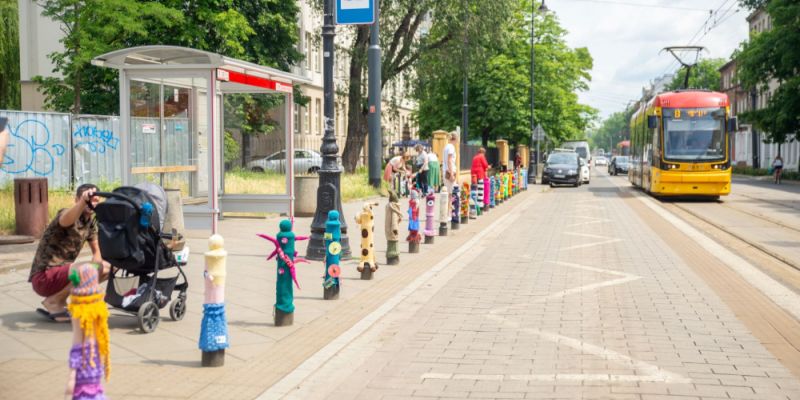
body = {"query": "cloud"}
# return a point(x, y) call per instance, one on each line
point(625, 41)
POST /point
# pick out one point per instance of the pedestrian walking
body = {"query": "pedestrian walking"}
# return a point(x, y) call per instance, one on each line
point(61, 244)
point(777, 167)
point(479, 165)
point(422, 166)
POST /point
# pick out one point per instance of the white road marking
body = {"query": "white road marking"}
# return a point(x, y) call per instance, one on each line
point(781, 295)
point(646, 372)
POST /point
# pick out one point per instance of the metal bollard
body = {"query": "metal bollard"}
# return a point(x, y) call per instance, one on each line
point(414, 237)
point(455, 210)
point(286, 273)
point(444, 215)
point(333, 252)
point(366, 219)
point(430, 204)
point(465, 203)
point(214, 327)
point(392, 226)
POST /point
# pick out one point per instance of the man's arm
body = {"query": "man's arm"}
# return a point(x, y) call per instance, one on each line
point(94, 245)
point(72, 214)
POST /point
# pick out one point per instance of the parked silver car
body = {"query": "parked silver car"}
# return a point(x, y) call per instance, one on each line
point(304, 161)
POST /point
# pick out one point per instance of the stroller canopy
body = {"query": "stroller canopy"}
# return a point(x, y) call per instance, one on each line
point(159, 199)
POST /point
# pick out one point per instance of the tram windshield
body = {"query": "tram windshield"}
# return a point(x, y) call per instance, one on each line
point(694, 134)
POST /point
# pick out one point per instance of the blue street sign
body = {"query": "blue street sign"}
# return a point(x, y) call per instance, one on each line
point(355, 12)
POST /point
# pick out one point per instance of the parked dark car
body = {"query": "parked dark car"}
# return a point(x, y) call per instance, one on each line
point(618, 164)
point(562, 169)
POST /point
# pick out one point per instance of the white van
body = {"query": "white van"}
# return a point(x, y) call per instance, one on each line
point(582, 148)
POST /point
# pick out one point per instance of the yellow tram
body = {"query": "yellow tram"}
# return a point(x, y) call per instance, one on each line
point(680, 144)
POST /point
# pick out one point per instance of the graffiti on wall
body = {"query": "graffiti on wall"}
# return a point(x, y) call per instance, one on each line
point(34, 150)
point(30, 149)
point(95, 140)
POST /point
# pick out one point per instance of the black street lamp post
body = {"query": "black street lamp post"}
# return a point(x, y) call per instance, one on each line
point(532, 172)
point(329, 193)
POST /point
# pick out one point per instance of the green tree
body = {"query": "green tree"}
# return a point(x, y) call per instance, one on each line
point(403, 45)
point(94, 27)
point(612, 130)
point(9, 55)
point(500, 84)
point(774, 56)
point(704, 75)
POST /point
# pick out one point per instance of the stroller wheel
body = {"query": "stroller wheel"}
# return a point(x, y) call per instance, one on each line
point(148, 317)
point(177, 309)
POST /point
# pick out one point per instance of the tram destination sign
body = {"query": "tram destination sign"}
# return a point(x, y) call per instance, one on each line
point(355, 12)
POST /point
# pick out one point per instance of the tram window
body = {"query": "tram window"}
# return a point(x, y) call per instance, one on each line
point(695, 137)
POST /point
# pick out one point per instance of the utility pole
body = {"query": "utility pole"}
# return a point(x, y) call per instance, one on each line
point(465, 58)
point(754, 134)
point(375, 137)
point(330, 175)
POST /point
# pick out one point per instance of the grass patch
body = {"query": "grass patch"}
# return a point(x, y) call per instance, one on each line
point(248, 182)
point(356, 186)
point(56, 200)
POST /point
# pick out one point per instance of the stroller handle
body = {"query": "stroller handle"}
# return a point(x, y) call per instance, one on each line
point(116, 196)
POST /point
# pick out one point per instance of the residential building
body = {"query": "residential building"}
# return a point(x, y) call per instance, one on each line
point(748, 148)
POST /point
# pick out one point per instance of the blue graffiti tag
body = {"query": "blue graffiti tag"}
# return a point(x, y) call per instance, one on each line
point(95, 140)
point(34, 147)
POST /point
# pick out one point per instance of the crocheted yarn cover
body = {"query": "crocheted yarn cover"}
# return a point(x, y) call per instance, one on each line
point(213, 329)
point(85, 359)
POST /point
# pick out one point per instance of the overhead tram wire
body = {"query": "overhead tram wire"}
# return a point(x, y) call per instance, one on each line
point(705, 28)
point(626, 3)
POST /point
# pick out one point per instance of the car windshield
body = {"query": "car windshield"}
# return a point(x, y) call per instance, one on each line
point(622, 160)
point(561, 158)
point(694, 134)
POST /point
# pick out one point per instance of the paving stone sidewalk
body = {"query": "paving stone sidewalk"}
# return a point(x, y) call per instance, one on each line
point(578, 298)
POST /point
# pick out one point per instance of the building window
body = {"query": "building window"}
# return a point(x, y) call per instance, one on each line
point(317, 55)
point(307, 119)
point(307, 52)
point(318, 116)
point(296, 119)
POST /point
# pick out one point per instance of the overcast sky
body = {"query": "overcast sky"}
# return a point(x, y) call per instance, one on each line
point(625, 40)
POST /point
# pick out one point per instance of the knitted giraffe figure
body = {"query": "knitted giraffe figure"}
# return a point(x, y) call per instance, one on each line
point(367, 221)
point(392, 227)
point(465, 203)
point(89, 358)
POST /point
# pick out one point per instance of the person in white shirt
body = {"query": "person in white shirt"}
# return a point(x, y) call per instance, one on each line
point(421, 163)
point(449, 170)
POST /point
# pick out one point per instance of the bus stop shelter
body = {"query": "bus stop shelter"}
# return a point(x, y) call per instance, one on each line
point(171, 121)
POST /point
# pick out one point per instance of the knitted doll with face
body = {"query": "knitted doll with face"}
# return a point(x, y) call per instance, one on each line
point(89, 357)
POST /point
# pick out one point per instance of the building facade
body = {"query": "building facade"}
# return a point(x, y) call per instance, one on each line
point(748, 147)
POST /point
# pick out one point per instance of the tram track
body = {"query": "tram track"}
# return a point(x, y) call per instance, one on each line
point(750, 242)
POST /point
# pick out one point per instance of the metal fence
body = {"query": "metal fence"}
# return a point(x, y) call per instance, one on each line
point(61, 147)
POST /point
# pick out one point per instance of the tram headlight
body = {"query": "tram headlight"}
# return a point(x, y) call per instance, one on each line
point(671, 166)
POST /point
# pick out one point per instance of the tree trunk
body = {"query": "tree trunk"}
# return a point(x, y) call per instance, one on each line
point(356, 113)
point(485, 137)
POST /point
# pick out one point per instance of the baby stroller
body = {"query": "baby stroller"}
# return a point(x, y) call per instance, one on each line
point(129, 232)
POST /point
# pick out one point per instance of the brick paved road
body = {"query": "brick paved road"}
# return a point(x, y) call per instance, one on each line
point(577, 298)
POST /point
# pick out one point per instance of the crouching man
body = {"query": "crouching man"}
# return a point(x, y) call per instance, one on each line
point(61, 244)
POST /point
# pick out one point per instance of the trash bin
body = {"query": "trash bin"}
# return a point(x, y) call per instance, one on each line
point(30, 206)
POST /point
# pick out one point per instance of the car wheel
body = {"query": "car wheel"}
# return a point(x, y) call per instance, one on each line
point(313, 170)
point(257, 169)
point(552, 185)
